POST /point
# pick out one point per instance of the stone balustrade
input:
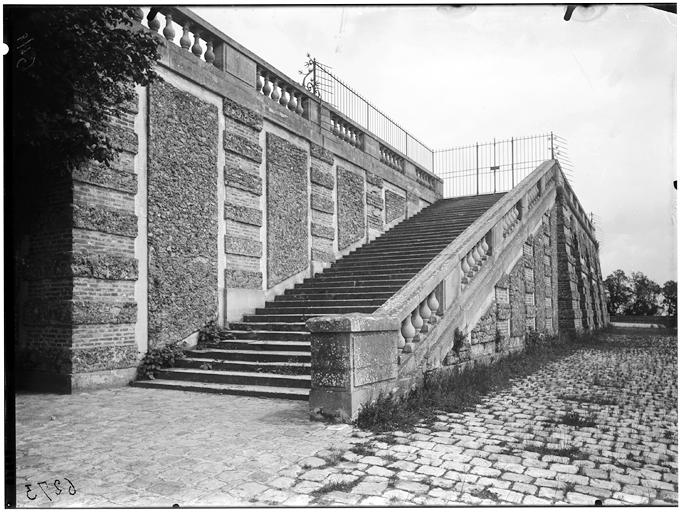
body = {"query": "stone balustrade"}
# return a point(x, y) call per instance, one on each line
point(193, 36)
point(472, 262)
point(415, 326)
point(533, 196)
point(510, 221)
point(280, 91)
point(391, 159)
point(346, 131)
point(426, 179)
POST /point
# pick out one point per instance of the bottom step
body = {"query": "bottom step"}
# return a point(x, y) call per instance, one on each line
point(226, 389)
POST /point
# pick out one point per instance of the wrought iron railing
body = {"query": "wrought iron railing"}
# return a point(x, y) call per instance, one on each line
point(321, 82)
point(497, 166)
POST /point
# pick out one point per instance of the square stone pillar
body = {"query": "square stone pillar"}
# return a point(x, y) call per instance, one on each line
point(354, 359)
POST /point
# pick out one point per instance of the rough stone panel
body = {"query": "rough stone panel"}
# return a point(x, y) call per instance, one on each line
point(122, 139)
point(517, 299)
point(182, 213)
point(105, 220)
point(485, 330)
point(350, 207)
point(287, 210)
point(104, 266)
point(322, 231)
point(395, 206)
point(371, 355)
point(319, 255)
point(242, 146)
point(90, 359)
point(374, 199)
point(243, 246)
point(321, 203)
point(251, 216)
point(235, 278)
point(104, 312)
point(98, 174)
point(48, 312)
point(321, 177)
point(375, 221)
point(243, 180)
point(242, 114)
point(317, 151)
point(374, 179)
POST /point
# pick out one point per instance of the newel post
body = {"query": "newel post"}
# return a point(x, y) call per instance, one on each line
point(354, 359)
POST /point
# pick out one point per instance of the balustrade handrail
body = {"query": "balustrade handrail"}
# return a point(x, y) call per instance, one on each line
point(416, 290)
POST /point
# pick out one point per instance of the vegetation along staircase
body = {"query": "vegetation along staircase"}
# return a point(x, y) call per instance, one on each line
point(269, 354)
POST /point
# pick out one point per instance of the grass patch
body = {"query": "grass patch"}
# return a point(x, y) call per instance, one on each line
point(598, 400)
point(333, 486)
point(566, 451)
point(574, 419)
point(363, 449)
point(447, 391)
point(483, 494)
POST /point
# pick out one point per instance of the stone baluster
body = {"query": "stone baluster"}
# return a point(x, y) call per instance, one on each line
point(169, 30)
point(196, 48)
point(408, 332)
point(434, 305)
point(471, 263)
point(275, 89)
point(259, 81)
point(485, 248)
point(425, 313)
point(283, 100)
point(291, 100)
point(267, 85)
point(154, 23)
point(299, 105)
point(465, 269)
point(417, 322)
point(185, 42)
point(209, 56)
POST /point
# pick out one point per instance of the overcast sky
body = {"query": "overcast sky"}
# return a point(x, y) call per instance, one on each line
point(452, 76)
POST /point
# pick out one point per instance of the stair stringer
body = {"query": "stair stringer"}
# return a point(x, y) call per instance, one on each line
point(470, 307)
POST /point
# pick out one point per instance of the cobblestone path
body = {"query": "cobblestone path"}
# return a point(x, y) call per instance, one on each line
point(600, 424)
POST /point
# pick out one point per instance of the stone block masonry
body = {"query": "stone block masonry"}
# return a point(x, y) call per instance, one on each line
point(79, 312)
point(182, 213)
point(322, 184)
point(243, 192)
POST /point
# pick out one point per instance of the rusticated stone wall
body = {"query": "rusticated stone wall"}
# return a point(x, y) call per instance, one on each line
point(522, 302)
point(182, 213)
point(243, 192)
point(322, 208)
point(350, 207)
point(395, 206)
point(78, 309)
point(287, 210)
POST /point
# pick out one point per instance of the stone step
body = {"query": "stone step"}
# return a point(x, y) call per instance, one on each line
point(274, 335)
point(365, 277)
point(300, 345)
point(324, 294)
point(226, 389)
point(372, 271)
point(268, 353)
point(287, 367)
point(237, 328)
point(294, 301)
point(314, 310)
point(229, 377)
point(351, 284)
point(390, 255)
point(282, 317)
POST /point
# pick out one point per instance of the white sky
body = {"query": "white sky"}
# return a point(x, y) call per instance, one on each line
point(454, 76)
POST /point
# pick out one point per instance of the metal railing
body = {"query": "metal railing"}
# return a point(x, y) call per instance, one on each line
point(497, 166)
point(320, 81)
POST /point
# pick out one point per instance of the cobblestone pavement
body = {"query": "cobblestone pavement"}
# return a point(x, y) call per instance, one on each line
point(600, 424)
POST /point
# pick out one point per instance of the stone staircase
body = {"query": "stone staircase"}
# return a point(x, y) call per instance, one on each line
point(270, 353)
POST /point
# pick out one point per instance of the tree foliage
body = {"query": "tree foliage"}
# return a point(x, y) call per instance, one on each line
point(70, 66)
point(637, 294)
point(669, 297)
point(618, 290)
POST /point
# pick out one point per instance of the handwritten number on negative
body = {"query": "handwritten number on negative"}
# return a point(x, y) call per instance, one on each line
point(28, 489)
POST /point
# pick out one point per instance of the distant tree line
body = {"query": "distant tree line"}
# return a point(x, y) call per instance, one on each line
point(637, 294)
